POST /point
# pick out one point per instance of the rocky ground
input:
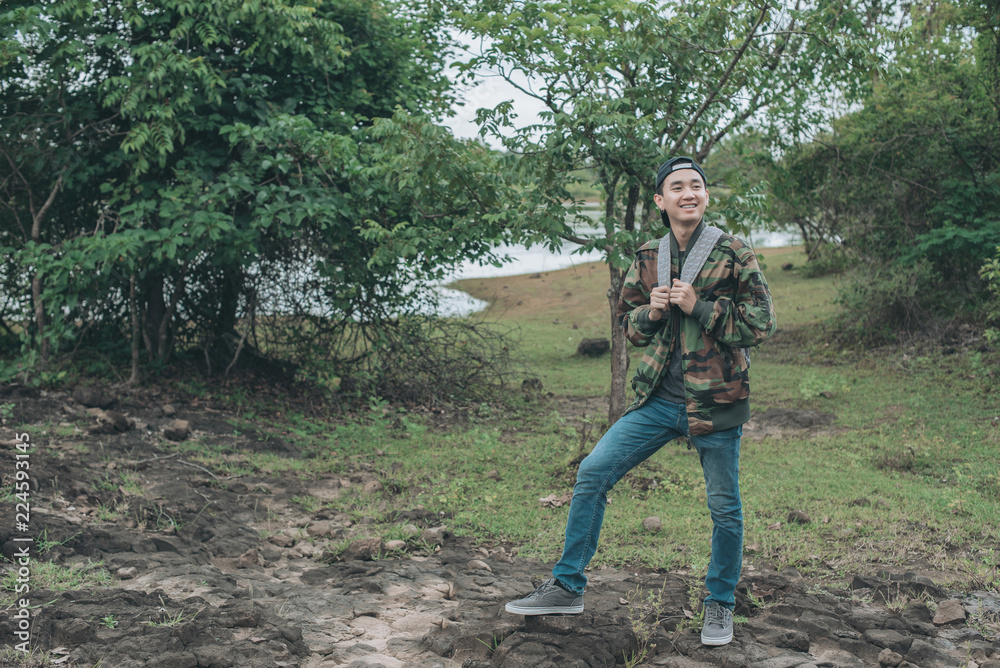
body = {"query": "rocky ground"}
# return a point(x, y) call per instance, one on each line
point(213, 572)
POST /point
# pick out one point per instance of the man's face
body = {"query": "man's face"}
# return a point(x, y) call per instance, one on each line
point(684, 197)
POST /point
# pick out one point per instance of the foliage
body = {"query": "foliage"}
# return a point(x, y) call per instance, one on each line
point(912, 178)
point(990, 273)
point(626, 82)
point(209, 171)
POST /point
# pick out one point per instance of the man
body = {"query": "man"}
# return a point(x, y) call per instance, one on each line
point(693, 381)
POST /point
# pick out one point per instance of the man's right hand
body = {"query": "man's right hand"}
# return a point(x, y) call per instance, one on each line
point(659, 301)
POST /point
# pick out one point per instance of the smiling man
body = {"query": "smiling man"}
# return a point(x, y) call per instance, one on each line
point(696, 326)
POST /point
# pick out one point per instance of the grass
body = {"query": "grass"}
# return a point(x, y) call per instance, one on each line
point(907, 477)
point(47, 575)
point(909, 473)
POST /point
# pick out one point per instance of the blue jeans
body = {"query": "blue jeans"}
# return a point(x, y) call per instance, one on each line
point(631, 440)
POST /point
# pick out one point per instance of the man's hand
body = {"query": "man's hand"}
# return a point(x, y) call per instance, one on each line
point(683, 295)
point(659, 301)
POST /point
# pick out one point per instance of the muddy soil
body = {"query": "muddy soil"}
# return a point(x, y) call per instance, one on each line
point(217, 572)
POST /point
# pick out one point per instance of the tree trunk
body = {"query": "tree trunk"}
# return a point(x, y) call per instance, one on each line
point(619, 350)
point(156, 309)
point(136, 333)
point(36, 296)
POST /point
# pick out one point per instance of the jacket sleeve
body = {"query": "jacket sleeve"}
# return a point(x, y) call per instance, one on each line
point(747, 318)
point(633, 303)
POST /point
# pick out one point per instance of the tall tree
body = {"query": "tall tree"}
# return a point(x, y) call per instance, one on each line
point(627, 82)
point(907, 187)
point(130, 132)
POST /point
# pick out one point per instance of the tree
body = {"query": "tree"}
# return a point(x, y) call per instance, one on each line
point(908, 186)
point(626, 83)
point(159, 157)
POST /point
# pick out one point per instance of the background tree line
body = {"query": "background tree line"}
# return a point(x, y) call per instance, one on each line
point(270, 178)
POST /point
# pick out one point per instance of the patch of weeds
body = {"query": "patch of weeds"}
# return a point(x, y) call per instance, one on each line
point(310, 504)
point(109, 621)
point(987, 622)
point(168, 620)
point(492, 643)
point(43, 544)
point(645, 612)
point(36, 658)
point(47, 575)
point(110, 512)
point(6, 412)
point(815, 384)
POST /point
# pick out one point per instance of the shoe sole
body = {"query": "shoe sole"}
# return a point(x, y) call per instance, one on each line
point(715, 642)
point(550, 610)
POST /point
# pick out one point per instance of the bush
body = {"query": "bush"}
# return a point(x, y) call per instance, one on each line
point(881, 304)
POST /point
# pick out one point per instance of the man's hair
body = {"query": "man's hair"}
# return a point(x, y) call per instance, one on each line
point(673, 165)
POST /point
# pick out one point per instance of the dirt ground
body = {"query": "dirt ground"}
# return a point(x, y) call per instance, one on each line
point(214, 572)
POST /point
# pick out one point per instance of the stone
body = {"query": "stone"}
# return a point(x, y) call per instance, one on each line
point(436, 535)
point(889, 658)
point(531, 385)
point(364, 549)
point(478, 565)
point(395, 545)
point(126, 573)
point(926, 655)
point(179, 430)
point(320, 529)
point(92, 397)
point(168, 410)
point(652, 524)
point(282, 540)
point(949, 611)
point(593, 347)
point(798, 517)
point(891, 640)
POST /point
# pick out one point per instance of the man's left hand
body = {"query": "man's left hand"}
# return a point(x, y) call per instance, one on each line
point(683, 295)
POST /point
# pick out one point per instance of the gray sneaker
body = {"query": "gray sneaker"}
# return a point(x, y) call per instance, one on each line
point(718, 628)
point(548, 599)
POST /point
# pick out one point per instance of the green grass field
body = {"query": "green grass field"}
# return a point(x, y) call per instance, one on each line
point(906, 478)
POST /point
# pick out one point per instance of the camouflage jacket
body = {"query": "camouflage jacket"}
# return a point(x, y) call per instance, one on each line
point(734, 310)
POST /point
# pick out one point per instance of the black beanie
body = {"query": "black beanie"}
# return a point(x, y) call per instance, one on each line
point(674, 164)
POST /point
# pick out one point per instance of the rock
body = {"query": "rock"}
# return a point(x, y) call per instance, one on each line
point(126, 573)
point(530, 385)
point(179, 430)
point(798, 517)
point(249, 559)
point(92, 397)
point(436, 535)
point(109, 422)
point(395, 545)
point(795, 418)
point(478, 565)
point(168, 410)
point(888, 639)
point(593, 347)
point(889, 658)
point(948, 612)
point(364, 549)
point(926, 655)
point(282, 540)
point(652, 524)
point(174, 660)
point(320, 529)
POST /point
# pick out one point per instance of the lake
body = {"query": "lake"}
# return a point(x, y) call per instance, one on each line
point(539, 259)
